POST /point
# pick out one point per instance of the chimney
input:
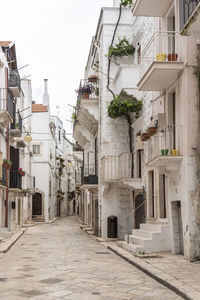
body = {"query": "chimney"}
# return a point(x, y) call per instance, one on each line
point(46, 95)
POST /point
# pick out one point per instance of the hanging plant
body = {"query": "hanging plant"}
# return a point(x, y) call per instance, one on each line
point(123, 48)
point(122, 106)
point(124, 3)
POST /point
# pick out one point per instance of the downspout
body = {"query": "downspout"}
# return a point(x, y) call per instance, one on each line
point(7, 151)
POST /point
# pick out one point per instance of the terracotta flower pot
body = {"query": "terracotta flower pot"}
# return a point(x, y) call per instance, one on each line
point(151, 130)
point(144, 137)
point(85, 96)
point(172, 57)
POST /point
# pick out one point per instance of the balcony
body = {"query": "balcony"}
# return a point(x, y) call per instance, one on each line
point(89, 178)
point(7, 107)
point(88, 105)
point(14, 83)
point(77, 178)
point(16, 126)
point(161, 62)
point(189, 17)
point(151, 8)
point(3, 178)
point(15, 180)
point(120, 169)
point(164, 148)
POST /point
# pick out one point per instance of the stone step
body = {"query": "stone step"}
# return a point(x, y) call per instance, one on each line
point(144, 233)
point(135, 249)
point(139, 240)
point(38, 218)
point(151, 226)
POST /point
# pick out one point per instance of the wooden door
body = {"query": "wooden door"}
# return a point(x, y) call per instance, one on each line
point(139, 211)
point(37, 204)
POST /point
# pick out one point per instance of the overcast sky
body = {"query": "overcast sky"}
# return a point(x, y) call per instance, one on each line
point(53, 37)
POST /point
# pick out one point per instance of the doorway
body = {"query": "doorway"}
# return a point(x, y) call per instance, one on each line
point(151, 194)
point(19, 212)
point(162, 196)
point(177, 227)
point(139, 211)
point(37, 204)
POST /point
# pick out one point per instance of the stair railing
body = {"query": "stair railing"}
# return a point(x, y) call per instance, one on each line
point(128, 219)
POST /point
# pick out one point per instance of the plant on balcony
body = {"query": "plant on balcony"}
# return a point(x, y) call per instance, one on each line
point(60, 195)
point(124, 3)
point(21, 172)
point(123, 106)
point(7, 164)
point(71, 195)
point(93, 78)
point(152, 130)
point(61, 165)
point(85, 91)
point(17, 125)
point(172, 57)
point(20, 144)
point(123, 48)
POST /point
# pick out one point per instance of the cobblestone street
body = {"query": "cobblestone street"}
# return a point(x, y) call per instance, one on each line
point(59, 261)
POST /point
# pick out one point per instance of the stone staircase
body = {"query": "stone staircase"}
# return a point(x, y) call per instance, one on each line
point(38, 218)
point(151, 237)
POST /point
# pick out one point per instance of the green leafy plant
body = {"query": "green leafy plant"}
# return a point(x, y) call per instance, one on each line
point(123, 48)
point(122, 106)
point(124, 3)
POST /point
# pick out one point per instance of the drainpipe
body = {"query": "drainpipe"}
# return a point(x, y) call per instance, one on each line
point(7, 152)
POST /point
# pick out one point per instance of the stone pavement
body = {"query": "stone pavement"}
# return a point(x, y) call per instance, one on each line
point(60, 261)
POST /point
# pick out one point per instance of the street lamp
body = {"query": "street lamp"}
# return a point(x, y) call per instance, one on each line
point(28, 138)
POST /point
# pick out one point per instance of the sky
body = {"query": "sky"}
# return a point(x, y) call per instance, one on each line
point(53, 37)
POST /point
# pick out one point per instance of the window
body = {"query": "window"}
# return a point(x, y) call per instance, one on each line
point(36, 149)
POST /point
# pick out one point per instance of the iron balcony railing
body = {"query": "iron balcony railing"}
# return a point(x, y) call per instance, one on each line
point(17, 123)
point(3, 180)
point(167, 142)
point(7, 102)
point(78, 177)
point(14, 79)
point(162, 47)
point(88, 90)
point(117, 167)
point(15, 180)
point(187, 7)
point(89, 174)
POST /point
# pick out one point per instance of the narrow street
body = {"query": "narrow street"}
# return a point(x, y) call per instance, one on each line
point(59, 261)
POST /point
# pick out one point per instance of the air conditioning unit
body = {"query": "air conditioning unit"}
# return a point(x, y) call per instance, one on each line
point(159, 120)
point(139, 144)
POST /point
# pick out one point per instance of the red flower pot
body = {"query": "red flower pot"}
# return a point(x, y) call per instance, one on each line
point(172, 57)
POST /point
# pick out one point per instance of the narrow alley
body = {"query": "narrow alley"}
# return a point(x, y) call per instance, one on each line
point(60, 261)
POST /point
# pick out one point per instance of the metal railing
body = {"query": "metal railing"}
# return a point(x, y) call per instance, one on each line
point(17, 123)
point(163, 46)
point(89, 174)
point(166, 142)
point(187, 7)
point(117, 167)
point(88, 89)
point(78, 177)
point(14, 79)
point(15, 180)
point(3, 180)
point(7, 102)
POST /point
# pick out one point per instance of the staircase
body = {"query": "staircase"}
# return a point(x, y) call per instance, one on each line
point(38, 218)
point(151, 237)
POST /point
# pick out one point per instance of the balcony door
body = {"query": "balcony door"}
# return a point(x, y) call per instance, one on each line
point(172, 121)
point(14, 158)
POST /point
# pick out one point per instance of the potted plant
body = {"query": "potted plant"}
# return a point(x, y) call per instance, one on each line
point(123, 48)
point(85, 91)
point(164, 152)
point(174, 152)
point(161, 57)
point(93, 78)
point(7, 164)
point(21, 172)
point(151, 130)
point(172, 57)
point(144, 137)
